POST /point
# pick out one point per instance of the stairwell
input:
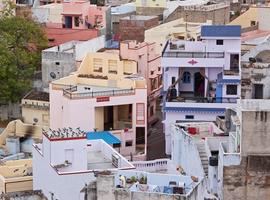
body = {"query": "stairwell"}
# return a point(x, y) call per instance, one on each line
point(204, 159)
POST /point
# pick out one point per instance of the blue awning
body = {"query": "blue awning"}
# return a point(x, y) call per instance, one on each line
point(107, 136)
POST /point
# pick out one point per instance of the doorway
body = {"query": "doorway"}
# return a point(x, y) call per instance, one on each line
point(108, 118)
point(198, 85)
point(258, 91)
point(68, 22)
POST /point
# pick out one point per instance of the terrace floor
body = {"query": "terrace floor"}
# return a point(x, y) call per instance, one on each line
point(97, 160)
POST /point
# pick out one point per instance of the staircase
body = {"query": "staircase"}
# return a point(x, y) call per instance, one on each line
point(204, 159)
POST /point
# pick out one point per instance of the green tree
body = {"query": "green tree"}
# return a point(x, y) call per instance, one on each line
point(21, 43)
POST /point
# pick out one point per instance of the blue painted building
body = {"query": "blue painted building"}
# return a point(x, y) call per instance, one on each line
point(201, 78)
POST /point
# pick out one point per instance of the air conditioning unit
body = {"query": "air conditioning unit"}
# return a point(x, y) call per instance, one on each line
point(115, 160)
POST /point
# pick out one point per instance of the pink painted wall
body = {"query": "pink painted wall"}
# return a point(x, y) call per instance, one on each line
point(145, 54)
point(86, 13)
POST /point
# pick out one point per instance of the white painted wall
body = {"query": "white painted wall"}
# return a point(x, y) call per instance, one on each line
point(185, 153)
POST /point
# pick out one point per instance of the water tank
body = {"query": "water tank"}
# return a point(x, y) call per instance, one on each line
point(13, 145)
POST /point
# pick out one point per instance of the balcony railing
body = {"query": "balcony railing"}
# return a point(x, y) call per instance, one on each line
point(72, 93)
point(203, 99)
point(194, 54)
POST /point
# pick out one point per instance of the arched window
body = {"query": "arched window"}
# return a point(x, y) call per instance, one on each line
point(186, 77)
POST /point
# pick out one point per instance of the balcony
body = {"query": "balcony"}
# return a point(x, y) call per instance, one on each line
point(193, 59)
point(198, 99)
point(78, 92)
point(185, 54)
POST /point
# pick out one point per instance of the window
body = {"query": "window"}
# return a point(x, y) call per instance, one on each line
point(76, 21)
point(173, 80)
point(57, 63)
point(129, 143)
point(140, 113)
point(189, 117)
point(112, 66)
point(219, 42)
point(97, 65)
point(186, 77)
point(128, 68)
point(231, 90)
point(252, 23)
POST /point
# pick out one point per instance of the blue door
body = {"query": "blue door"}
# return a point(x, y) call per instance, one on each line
point(219, 93)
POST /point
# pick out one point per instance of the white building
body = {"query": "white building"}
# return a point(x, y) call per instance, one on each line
point(66, 160)
point(201, 78)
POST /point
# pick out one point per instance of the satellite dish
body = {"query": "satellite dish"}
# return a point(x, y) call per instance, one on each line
point(53, 75)
point(35, 120)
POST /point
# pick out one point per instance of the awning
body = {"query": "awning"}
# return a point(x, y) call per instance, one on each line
point(107, 136)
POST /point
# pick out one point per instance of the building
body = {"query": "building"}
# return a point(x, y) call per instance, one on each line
point(119, 12)
point(256, 72)
point(16, 176)
point(150, 8)
point(145, 186)
point(195, 147)
point(49, 13)
point(133, 27)
point(64, 20)
point(59, 61)
point(233, 157)
point(35, 108)
point(199, 12)
point(149, 66)
point(201, 78)
point(110, 96)
point(173, 29)
point(243, 162)
point(67, 160)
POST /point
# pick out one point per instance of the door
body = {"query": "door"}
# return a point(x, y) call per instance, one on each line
point(258, 91)
point(68, 22)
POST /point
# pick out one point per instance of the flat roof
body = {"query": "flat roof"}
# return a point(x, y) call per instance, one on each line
point(38, 96)
point(221, 31)
point(138, 17)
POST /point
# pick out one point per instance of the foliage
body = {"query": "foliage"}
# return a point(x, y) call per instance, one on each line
point(21, 42)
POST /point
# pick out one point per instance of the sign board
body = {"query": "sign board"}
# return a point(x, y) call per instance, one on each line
point(102, 99)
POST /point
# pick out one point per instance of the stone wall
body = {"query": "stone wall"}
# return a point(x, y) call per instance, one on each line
point(150, 11)
point(248, 181)
point(255, 137)
point(134, 29)
point(219, 16)
point(55, 65)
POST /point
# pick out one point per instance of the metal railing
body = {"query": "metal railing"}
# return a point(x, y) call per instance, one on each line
point(203, 99)
point(194, 54)
point(72, 93)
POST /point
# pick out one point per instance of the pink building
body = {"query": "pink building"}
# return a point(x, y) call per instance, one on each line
point(104, 95)
point(81, 14)
point(149, 66)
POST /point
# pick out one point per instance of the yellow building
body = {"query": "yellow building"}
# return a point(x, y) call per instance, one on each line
point(16, 176)
point(174, 29)
point(247, 19)
point(151, 3)
point(36, 108)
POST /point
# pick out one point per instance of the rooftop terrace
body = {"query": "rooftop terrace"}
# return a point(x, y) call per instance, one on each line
point(200, 130)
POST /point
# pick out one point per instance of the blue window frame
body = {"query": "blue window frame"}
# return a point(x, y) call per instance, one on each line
point(186, 77)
